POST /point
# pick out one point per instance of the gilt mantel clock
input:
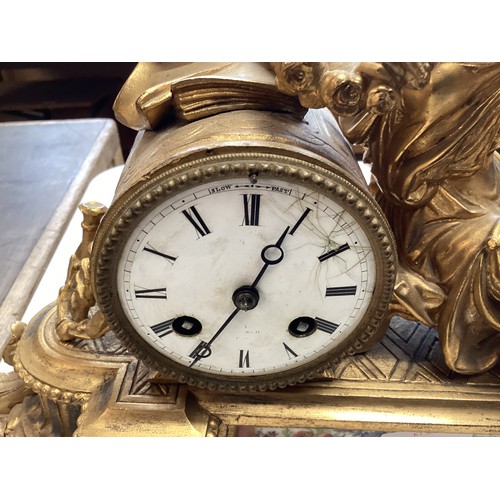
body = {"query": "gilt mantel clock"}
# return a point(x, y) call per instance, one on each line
point(243, 251)
point(245, 273)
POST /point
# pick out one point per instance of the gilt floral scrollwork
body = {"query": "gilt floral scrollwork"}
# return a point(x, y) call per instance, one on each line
point(319, 85)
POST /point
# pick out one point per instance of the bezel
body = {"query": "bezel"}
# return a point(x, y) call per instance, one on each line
point(167, 181)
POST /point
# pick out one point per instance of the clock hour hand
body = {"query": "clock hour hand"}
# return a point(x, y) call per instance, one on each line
point(271, 255)
point(247, 297)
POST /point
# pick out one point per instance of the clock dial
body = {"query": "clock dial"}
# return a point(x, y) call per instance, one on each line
point(242, 280)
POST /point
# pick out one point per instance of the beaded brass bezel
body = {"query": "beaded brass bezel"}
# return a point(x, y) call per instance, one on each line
point(166, 181)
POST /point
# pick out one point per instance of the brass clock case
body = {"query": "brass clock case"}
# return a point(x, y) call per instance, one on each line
point(171, 178)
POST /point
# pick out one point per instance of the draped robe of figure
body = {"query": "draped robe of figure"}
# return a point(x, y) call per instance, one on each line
point(439, 184)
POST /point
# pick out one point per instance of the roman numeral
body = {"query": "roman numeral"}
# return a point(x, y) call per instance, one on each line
point(289, 352)
point(198, 223)
point(244, 359)
point(151, 293)
point(299, 222)
point(251, 205)
point(332, 253)
point(341, 290)
point(150, 249)
point(164, 328)
point(326, 326)
point(202, 350)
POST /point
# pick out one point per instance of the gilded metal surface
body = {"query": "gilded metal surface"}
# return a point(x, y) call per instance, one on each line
point(402, 384)
point(347, 89)
point(96, 388)
point(17, 329)
point(238, 131)
point(311, 152)
point(190, 91)
point(76, 297)
point(430, 131)
point(13, 390)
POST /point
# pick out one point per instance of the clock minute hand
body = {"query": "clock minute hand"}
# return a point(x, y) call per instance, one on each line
point(203, 350)
point(270, 257)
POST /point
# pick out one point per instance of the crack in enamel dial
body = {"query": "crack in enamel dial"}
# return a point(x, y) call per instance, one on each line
point(237, 281)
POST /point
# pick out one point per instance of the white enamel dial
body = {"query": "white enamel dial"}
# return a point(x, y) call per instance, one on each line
point(196, 283)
